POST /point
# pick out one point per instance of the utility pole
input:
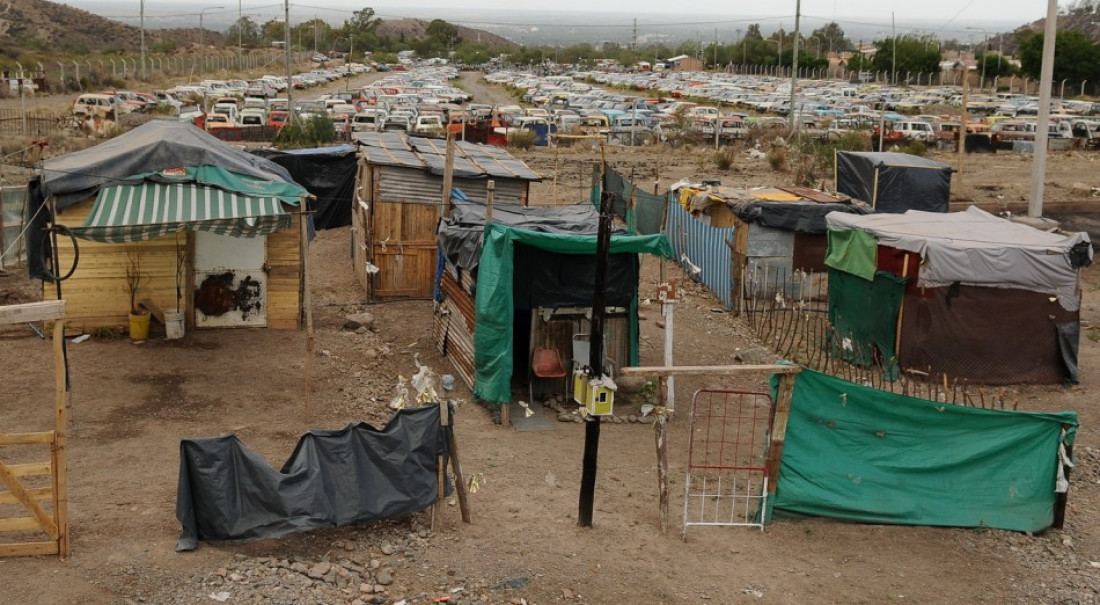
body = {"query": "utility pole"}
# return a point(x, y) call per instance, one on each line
point(595, 364)
point(894, 53)
point(240, 26)
point(634, 44)
point(289, 83)
point(142, 40)
point(1042, 125)
point(792, 124)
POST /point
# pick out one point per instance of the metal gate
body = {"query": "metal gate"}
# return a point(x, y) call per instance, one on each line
point(727, 477)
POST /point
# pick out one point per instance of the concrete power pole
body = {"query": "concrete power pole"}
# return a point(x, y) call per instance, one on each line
point(793, 114)
point(1042, 128)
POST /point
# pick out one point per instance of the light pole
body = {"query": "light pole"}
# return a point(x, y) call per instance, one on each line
point(202, 44)
point(142, 39)
point(818, 54)
point(981, 83)
point(240, 24)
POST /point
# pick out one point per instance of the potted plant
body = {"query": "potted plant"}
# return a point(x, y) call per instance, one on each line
point(173, 320)
point(135, 278)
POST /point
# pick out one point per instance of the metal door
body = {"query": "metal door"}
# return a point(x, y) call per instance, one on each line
point(230, 281)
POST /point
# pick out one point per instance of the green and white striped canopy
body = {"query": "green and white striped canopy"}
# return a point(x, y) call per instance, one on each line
point(133, 213)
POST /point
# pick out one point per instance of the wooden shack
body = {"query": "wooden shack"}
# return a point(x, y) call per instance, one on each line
point(213, 232)
point(397, 201)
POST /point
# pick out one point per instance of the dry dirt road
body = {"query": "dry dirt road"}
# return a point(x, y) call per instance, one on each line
point(133, 404)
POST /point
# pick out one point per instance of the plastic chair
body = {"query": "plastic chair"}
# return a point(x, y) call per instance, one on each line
point(545, 363)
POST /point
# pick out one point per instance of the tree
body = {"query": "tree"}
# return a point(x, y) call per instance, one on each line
point(1075, 56)
point(994, 65)
point(753, 32)
point(362, 21)
point(273, 31)
point(832, 37)
point(249, 32)
point(906, 55)
point(442, 32)
point(314, 33)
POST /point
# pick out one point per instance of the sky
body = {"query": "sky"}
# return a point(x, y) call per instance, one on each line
point(943, 18)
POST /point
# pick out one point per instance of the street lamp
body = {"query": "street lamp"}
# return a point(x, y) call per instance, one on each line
point(202, 44)
point(981, 83)
point(818, 44)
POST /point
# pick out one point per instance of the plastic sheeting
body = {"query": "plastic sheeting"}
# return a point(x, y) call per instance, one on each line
point(865, 316)
point(355, 475)
point(979, 249)
point(494, 308)
point(328, 173)
point(894, 182)
point(646, 214)
point(800, 217)
point(861, 454)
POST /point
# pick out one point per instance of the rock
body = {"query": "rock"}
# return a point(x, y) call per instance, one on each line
point(755, 356)
point(354, 321)
point(632, 418)
point(362, 330)
point(384, 577)
point(319, 570)
point(646, 420)
point(660, 324)
point(567, 594)
point(366, 587)
point(387, 549)
point(565, 417)
point(240, 557)
point(375, 564)
point(513, 583)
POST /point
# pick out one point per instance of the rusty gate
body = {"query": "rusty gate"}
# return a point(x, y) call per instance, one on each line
point(727, 474)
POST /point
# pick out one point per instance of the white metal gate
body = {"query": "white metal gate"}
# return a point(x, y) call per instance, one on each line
point(230, 281)
point(727, 477)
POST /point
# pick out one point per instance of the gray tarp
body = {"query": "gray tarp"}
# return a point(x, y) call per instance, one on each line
point(894, 182)
point(151, 147)
point(355, 475)
point(978, 249)
point(460, 235)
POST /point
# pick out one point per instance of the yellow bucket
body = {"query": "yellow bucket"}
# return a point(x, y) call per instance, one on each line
point(139, 326)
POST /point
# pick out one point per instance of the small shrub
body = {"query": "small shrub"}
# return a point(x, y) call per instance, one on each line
point(311, 132)
point(915, 148)
point(724, 158)
point(108, 332)
point(777, 159)
point(522, 139)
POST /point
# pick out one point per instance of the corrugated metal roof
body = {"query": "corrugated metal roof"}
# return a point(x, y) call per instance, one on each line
point(471, 160)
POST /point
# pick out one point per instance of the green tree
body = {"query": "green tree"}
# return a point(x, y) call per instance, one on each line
point(359, 32)
point(442, 32)
point(249, 32)
point(1076, 57)
point(315, 34)
point(273, 31)
point(753, 32)
point(994, 65)
point(832, 38)
point(906, 55)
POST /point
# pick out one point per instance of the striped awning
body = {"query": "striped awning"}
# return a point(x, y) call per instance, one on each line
point(132, 213)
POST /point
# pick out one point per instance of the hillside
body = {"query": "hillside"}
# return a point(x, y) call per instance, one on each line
point(27, 25)
point(414, 29)
point(1086, 22)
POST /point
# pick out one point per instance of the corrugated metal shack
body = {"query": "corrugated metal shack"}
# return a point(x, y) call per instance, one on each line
point(397, 201)
point(778, 241)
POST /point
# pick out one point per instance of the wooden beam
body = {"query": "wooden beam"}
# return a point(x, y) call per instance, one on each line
point(153, 309)
point(21, 524)
point(28, 549)
point(703, 370)
point(29, 469)
point(29, 312)
point(38, 494)
point(26, 438)
point(779, 430)
point(45, 521)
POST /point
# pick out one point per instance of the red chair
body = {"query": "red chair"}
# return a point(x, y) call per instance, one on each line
point(545, 363)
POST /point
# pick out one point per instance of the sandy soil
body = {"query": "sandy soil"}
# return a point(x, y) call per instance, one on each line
point(133, 403)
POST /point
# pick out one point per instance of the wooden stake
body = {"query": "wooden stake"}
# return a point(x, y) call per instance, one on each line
point(307, 304)
point(901, 309)
point(440, 472)
point(779, 430)
point(456, 467)
point(660, 432)
point(57, 450)
point(448, 176)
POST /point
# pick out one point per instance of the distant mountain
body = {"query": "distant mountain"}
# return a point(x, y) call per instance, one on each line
point(49, 26)
point(1086, 22)
point(415, 29)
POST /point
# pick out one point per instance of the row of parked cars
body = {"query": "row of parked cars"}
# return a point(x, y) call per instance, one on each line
point(727, 106)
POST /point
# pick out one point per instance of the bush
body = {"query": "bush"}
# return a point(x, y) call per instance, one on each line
point(311, 132)
point(915, 148)
point(522, 139)
point(777, 159)
point(724, 158)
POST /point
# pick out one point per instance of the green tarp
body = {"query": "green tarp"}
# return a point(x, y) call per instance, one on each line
point(493, 305)
point(864, 317)
point(861, 454)
point(647, 213)
point(854, 251)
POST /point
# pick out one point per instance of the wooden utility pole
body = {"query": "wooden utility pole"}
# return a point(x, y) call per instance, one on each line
point(448, 176)
point(595, 364)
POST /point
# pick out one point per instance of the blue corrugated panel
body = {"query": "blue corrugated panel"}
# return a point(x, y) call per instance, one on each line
point(703, 251)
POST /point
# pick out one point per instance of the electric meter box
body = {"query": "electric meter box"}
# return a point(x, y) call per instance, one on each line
point(597, 396)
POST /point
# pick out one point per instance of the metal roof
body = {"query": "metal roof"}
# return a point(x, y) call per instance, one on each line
point(471, 160)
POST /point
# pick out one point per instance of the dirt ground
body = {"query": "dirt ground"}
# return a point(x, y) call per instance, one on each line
point(133, 403)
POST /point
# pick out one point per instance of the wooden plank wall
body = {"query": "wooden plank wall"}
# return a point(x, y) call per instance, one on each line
point(284, 281)
point(96, 295)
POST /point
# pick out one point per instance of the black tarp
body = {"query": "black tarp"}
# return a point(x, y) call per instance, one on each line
point(549, 279)
point(800, 217)
point(328, 173)
point(894, 182)
point(354, 475)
